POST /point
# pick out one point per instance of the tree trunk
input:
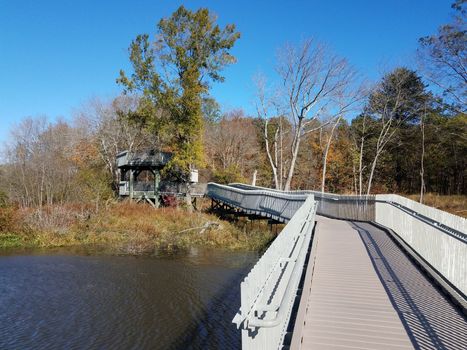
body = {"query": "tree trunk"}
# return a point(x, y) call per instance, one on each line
point(422, 169)
point(325, 156)
point(295, 148)
point(268, 152)
point(355, 189)
point(373, 167)
point(360, 169)
point(360, 165)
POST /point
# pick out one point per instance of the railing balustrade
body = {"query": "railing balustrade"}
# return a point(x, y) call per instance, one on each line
point(440, 238)
point(272, 204)
point(268, 292)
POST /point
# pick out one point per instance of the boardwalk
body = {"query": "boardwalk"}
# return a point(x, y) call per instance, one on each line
point(366, 294)
point(360, 291)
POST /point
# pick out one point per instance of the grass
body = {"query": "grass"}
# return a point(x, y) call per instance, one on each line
point(126, 228)
point(454, 204)
point(10, 240)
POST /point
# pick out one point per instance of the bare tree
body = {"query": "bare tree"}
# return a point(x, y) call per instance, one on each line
point(108, 124)
point(422, 158)
point(443, 57)
point(274, 151)
point(360, 133)
point(232, 143)
point(19, 155)
point(39, 163)
point(315, 84)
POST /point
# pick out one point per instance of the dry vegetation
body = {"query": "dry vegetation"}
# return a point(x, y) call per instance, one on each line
point(125, 228)
point(455, 204)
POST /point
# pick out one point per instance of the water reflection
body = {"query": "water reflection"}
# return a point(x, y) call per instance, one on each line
point(177, 301)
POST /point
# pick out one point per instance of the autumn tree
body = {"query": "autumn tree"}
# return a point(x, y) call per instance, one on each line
point(339, 173)
point(173, 73)
point(232, 147)
point(105, 126)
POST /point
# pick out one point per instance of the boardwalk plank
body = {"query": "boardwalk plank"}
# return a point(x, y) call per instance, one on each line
point(346, 293)
point(367, 294)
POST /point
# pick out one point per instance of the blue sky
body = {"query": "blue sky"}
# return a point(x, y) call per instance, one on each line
point(55, 55)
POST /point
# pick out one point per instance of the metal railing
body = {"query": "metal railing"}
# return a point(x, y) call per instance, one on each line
point(349, 207)
point(263, 202)
point(440, 238)
point(268, 292)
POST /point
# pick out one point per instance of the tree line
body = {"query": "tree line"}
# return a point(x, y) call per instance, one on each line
point(318, 124)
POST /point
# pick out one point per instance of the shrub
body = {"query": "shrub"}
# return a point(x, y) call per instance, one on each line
point(3, 200)
point(169, 201)
point(228, 175)
point(7, 219)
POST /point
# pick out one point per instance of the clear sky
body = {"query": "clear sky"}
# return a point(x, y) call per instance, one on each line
point(55, 55)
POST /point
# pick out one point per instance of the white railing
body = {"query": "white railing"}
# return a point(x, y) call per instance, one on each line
point(268, 292)
point(275, 205)
point(440, 238)
point(351, 207)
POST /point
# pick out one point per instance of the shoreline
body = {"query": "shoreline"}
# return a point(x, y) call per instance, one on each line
point(128, 229)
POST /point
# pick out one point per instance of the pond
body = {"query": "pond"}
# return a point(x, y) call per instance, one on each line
point(68, 300)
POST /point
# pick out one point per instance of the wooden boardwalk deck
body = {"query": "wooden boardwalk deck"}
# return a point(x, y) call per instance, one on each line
point(366, 294)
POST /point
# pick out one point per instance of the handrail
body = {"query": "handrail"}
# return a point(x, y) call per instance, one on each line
point(268, 291)
point(279, 206)
point(438, 237)
point(433, 223)
point(427, 220)
point(269, 320)
point(282, 307)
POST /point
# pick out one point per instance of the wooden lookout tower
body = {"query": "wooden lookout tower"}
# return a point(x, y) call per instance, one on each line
point(140, 174)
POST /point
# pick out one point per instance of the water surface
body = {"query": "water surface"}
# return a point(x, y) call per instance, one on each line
point(62, 301)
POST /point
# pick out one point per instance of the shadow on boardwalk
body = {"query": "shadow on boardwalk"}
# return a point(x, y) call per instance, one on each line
point(431, 320)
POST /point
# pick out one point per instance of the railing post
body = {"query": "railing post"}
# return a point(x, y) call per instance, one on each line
point(132, 180)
